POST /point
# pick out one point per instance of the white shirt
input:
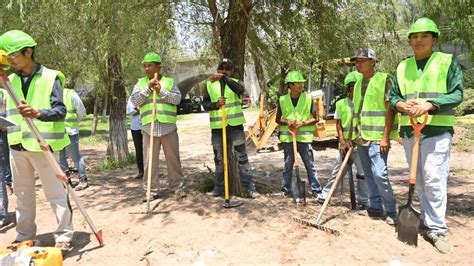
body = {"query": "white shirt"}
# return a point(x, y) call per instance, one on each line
point(80, 112)
point(135, 119)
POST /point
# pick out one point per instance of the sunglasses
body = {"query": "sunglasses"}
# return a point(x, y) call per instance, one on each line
point(225, 68)
point(14, 55)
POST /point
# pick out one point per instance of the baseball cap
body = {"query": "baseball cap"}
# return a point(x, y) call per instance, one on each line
point(226, 61)
point(365, 53)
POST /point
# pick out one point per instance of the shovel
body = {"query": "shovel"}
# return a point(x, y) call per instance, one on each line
point(299, 195)
point(409, 218)
point(227, 203)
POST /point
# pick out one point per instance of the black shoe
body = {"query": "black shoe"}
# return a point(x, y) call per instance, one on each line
point(371, 212)
point(153, 197)
point(138, 176)
point(316, 194)
point(286, 192)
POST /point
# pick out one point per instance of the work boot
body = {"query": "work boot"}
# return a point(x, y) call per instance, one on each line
point(82, 184)
point(392, 218)
point(138, 176)
point(65, 247)
point(440, 242)
point(362, 206)
point(320, 199)
point(286, 192)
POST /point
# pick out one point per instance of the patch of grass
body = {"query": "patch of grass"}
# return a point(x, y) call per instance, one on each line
point(109, 164)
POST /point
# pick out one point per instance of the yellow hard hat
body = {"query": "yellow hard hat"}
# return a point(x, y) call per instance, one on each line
point(3, 59)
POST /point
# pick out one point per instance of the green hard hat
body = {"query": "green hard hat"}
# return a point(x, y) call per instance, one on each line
point(423, 25)
point(15, 40)
point(152, 58)
point(294, 76)
point(352, 77)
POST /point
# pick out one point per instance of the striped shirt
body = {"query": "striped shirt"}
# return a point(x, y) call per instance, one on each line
point(139, 98)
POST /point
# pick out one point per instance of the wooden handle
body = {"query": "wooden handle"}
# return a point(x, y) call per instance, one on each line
point(150, 149)
point(295, 148)
point(416, 147)
point(334, 185)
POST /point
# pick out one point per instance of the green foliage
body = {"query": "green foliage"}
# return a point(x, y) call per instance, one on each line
point(109, 164)
point(467, 105)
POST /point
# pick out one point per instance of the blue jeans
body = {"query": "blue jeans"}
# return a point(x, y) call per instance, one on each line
point(306, 154)
point(362, 193)
point(5, 152)
point(376, 176)
point(73, 150)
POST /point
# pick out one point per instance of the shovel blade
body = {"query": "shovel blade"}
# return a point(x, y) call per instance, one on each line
point(407, 227)
point(228, 204)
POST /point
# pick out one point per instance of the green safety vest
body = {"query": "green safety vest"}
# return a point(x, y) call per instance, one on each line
point(301, 112)
point(374, 109)
point(165, 112)
point(344, 111)
point(39, 97)
point(233, 106)
point(71, 116)
point(430, 85)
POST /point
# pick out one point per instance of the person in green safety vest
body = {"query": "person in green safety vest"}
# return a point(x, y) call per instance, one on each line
point(374, 125)
point(40, 90)
point(222, 89)
point(343, 117)
point(296, 111)
point(165, 132)
point(429, 82)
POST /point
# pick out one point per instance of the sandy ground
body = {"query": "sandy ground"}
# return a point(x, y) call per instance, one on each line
point(198, 231)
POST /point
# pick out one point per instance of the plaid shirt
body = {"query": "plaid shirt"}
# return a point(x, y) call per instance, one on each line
point(139, 97)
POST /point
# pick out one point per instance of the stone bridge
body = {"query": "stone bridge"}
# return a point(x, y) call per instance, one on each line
point(188, 72)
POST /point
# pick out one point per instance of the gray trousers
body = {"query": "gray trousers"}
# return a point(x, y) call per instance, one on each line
point(431, 179)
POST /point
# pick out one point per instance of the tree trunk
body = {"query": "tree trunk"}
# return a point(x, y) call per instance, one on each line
point(104, 108)
point(95, 118)
point(234, 32)
point(117, 148)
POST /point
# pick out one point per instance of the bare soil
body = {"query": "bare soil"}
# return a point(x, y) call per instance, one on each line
point(197, 230)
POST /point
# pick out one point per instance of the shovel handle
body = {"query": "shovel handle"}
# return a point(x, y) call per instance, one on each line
point(416, 147)
point(418, 127)
point(295, 149)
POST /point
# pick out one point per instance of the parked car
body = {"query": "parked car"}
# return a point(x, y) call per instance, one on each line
point(187, 106)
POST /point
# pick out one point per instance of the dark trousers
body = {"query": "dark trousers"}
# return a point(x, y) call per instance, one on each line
point(138, 143)
point(5, 154)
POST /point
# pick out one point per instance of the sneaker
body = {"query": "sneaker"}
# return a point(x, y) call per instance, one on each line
point(371, 212)
point(254, 194)
point(180, 193)
point(316, 194)
point(440, 242)
point(320, 199)
point(82, 185)
point(3, 223)
point(362, 206)
point(392, 218)
point(65, 247)
point(286, 192)
point(153, 196)
point(215, 193)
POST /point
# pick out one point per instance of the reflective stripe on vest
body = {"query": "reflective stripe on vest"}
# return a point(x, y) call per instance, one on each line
point(344, 111)
point(39, 97)
point(165, 112)
point(71, 115)
point(233, 106)
point(430, 85)
point(374, 109)
point(301, 112)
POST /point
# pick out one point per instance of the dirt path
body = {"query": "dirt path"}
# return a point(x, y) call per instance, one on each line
point(198, 231)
